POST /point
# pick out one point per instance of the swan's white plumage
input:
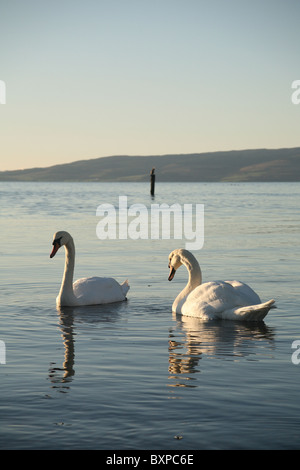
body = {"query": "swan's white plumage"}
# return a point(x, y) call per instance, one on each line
point(99, 290)
point(228, 300)
point(85, 291)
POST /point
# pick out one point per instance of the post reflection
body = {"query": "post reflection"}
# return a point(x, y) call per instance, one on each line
point(192, 339)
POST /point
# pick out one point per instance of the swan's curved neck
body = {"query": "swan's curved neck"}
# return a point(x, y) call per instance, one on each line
point(192, 265)
point(66, 291)
point(195, 279)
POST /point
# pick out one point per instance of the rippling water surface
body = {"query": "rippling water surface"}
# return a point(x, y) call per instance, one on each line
point(132, 375)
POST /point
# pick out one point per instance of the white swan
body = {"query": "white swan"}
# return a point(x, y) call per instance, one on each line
point(228, 300)
point(86, 291)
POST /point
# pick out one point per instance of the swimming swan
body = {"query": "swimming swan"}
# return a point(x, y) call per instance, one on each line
point(228, 300)
point(86, 291)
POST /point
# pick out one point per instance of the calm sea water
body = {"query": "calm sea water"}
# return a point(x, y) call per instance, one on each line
point(131, 375)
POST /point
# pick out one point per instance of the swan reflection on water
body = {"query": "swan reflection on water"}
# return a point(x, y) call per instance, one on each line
point(192, 339)
point(70, 319)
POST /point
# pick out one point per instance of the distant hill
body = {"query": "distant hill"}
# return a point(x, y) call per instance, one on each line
point(237, 165)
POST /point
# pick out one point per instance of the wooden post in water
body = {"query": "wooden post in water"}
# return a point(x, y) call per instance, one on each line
point(152, 182)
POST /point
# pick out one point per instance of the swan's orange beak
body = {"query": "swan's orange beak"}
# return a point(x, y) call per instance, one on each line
point(56, 245)
point(172, 273)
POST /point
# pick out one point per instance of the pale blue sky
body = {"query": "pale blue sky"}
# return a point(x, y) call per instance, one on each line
point(92, 78)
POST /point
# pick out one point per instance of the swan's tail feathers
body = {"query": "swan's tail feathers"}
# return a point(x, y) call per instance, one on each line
point(125, 287)
point(254, 312)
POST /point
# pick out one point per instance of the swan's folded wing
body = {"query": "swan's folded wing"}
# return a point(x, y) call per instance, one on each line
point(98, 290)
point(208, 300)
point(245, 292)
point(224, 299)
point(249, 313)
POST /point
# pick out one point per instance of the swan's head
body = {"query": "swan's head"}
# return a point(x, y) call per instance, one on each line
point(59, 239)
point(174, 262)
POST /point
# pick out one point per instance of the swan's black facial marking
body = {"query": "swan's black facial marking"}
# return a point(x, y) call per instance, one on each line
point(172, 273)
point(174, 263)
point(57, 240)
point(172, 269)
point(56, 245)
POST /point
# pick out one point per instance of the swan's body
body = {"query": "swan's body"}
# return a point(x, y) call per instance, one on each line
point(228, 300)
point(86, 291)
